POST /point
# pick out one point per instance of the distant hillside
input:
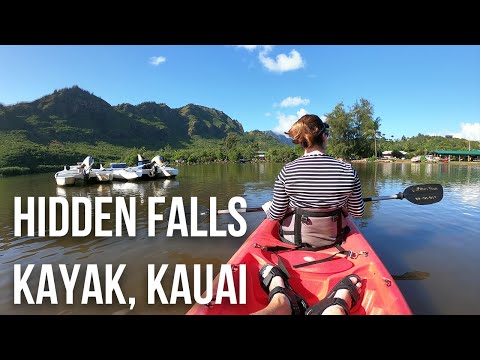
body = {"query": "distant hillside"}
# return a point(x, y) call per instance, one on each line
point(282, 138)
point(71, 123)
point(264, 139)
point(75, 115)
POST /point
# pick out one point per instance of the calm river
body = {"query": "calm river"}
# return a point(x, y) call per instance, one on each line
point(433, 250)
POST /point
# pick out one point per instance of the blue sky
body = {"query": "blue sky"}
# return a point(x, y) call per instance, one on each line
point(428, 89)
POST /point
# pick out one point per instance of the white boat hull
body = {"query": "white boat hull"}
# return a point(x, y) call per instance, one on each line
point(145, 169)
point(82, 171)
point(165, 172)
point(65, 180)
point(101, 175)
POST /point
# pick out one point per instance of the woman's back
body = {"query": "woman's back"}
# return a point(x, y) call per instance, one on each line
point(317, 181)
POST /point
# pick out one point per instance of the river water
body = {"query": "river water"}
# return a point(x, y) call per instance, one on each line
point(432, 251)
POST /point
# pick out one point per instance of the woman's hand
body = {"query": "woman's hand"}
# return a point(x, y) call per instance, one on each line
point(266, 206)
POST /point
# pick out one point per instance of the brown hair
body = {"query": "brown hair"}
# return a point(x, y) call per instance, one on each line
point(307, 131)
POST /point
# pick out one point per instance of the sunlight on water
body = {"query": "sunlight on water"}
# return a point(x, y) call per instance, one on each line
point(441, 239)
point(432, 250)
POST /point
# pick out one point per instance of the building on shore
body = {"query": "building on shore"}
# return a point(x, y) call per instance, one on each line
point(457, 155)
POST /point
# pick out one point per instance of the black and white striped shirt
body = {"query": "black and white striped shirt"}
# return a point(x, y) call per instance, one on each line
point(317, 181)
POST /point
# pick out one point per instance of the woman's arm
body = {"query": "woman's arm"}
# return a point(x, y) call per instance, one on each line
point(355, 203)
point(279, 205)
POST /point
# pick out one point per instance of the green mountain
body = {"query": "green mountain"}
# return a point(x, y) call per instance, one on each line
point(75, 115)
point(69, 124)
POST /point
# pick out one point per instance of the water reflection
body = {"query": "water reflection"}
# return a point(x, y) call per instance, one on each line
point(143, 189)
point(468, 194)
point(89, 191)
point(440, 239)
point(412, 275)
point(387, 169)
point(415, 168)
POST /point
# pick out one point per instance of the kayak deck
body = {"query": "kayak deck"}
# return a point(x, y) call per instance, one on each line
point(380, 295)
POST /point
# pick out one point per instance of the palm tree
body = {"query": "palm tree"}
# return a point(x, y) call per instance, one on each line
point(373, 131)
point(376, 126)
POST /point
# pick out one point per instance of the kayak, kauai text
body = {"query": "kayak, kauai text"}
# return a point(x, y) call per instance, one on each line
point(100, 286)
point(102, 292)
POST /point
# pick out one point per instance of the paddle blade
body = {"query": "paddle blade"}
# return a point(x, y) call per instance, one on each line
point(423, 194)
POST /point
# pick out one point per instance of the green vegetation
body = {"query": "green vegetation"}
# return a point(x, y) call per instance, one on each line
point(69, 124)
point(423, 144)
point(355, 134)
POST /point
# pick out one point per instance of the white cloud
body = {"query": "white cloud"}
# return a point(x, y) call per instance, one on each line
point(294, 101)
point(285, 122)
point(247, 47)
point(157, 60)
point(469, 131)
point(283, 62)
point(267, 48)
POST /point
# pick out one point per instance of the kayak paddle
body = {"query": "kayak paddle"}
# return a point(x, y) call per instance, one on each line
point(423, 194)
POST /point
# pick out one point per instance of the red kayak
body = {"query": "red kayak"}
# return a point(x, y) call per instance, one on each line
point(313, 274)
point(314, 278)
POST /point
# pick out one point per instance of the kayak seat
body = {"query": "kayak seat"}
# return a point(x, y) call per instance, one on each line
point(347, 284)
point(297, 302)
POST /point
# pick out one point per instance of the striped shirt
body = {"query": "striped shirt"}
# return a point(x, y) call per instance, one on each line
point(317, 181)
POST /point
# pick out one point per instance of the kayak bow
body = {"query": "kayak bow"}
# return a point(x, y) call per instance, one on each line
point(380, 295)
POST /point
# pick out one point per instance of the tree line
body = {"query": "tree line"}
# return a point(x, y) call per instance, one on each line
point(354, 134)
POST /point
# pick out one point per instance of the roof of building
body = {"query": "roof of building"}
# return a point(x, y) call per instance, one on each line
point(457, 152)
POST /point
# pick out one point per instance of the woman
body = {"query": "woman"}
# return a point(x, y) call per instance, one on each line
point(314, 189)
point(311, 197)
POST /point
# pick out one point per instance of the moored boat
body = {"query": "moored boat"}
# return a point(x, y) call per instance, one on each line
point(145, 169)
point(70, 174)
point(163, 169)
point(64, 178)
point(101, 175)
point(117, 170)
point(82, 171)
point(123, 172)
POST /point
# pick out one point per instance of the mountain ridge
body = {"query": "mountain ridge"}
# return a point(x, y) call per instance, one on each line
point(71, 123)
point(74, 114)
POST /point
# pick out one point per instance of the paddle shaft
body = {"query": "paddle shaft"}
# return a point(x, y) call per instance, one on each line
point(240, 210)
point(423, 194)
point(244, 210)
point(375, 198)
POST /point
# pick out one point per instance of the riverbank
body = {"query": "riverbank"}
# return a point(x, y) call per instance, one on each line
point(425, 162)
